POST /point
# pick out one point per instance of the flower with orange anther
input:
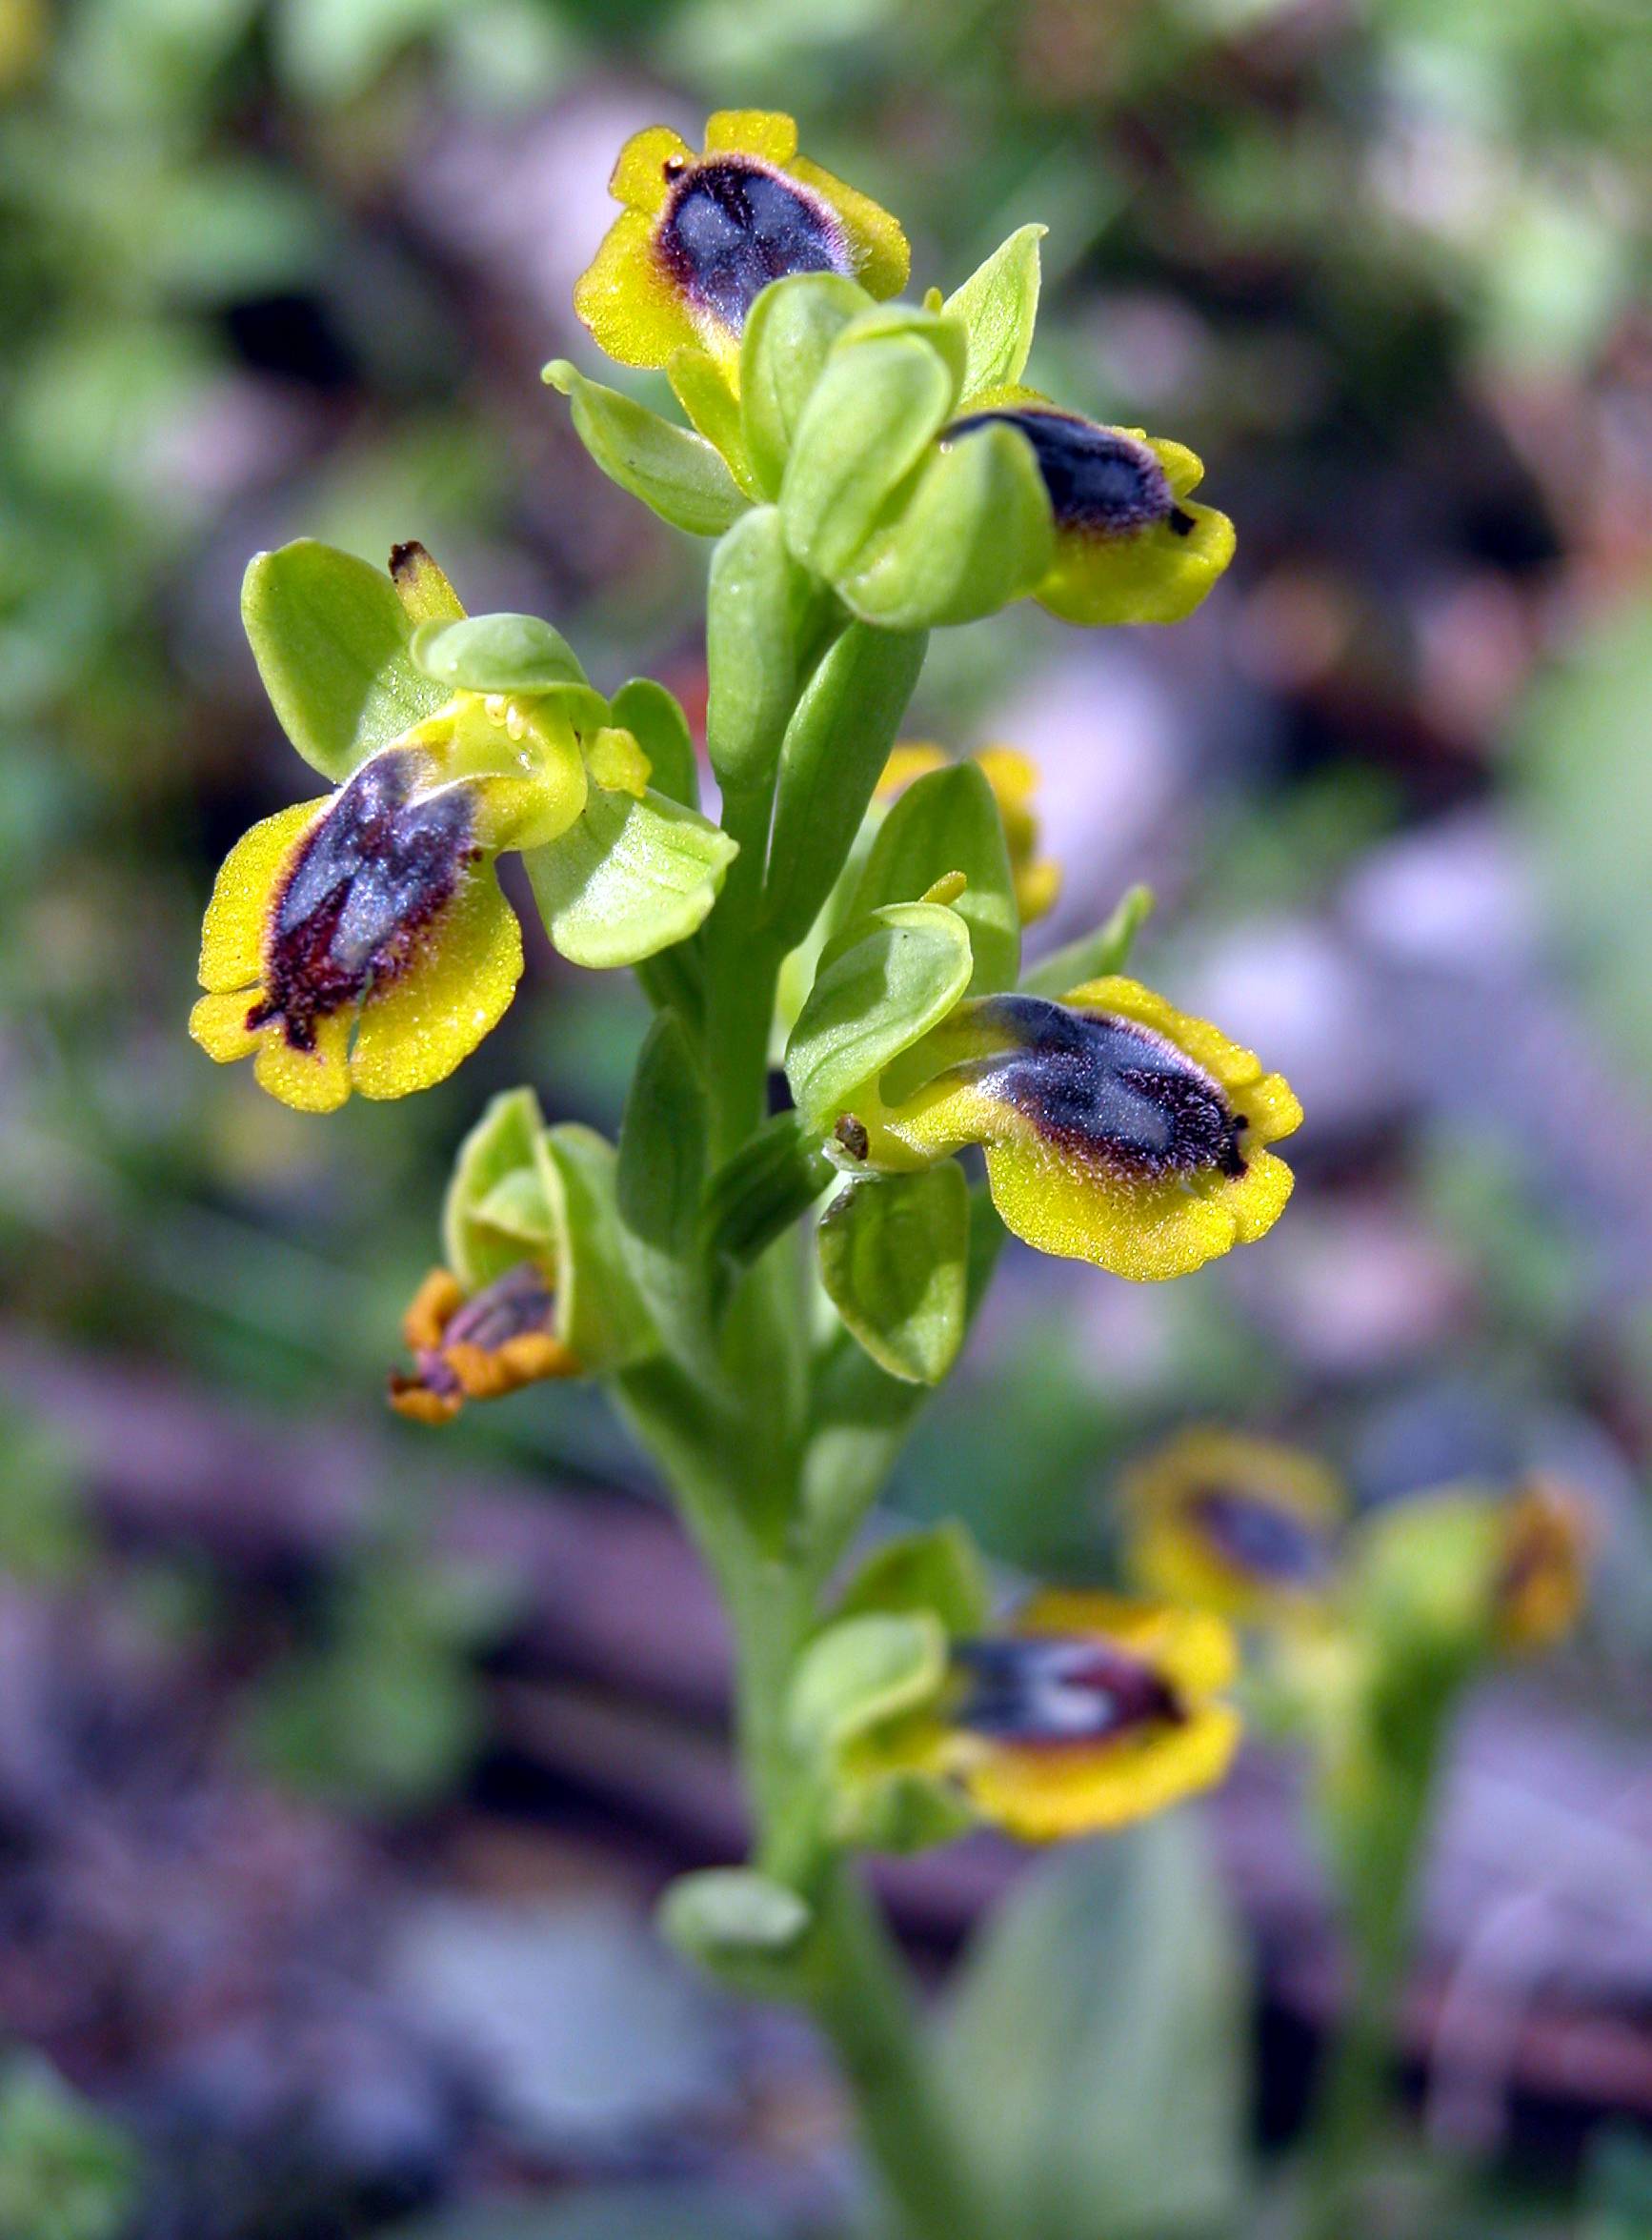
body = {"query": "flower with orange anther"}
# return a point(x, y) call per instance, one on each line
point(1116, 1128)
point(1225, 1522)
point(481, 1346)
point(1086, 1712)
point(701, 236)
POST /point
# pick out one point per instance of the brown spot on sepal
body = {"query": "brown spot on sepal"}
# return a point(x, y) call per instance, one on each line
point(425, 593)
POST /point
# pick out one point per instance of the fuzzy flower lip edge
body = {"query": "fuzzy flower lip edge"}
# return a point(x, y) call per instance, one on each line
point(1246, 1527)
point(1087, 1713)
point(479, 1345)
point(1116, 1129)
point(700, 235)
point(359, 940)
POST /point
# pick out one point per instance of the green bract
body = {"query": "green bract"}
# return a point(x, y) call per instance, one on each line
point(870, 419)
point(497, 654)
point(1105, 950)
point(974, 535)
point(938, 1570)
point(894, 1253)
point(753, 603)
point(497, 1211)
point(861, 1671)
point(522, 1190)
point(734, 1923)
point(948, 821)
point(789, 334)
point(834, 749)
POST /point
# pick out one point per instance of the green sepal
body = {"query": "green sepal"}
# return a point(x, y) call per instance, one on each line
point(754, 600)
point(948, 821)
point(1092, 954)
point(331, 639)
point(882, 986)
point(497, 654)
point(976, 535)
point(833, 755)
point(894, 1253)
point(944, 334)
point(861, 1671)
point(701, 387)
point(999, 308)
point(744, 1929)
point(655, 718)
point(869, 418)
point(662, 1162)
point(678, 474)
point(496, 1212)
point(903, 1813)
point(600, 1314)
point(628, 879)
point(788, 333)
point(939, 1571)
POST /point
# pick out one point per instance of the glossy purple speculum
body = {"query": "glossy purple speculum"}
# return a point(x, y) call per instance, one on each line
point(730, 226)
point(367, 879)
point(1099, 480)
point(1051, 1690)
point(1106, 1089)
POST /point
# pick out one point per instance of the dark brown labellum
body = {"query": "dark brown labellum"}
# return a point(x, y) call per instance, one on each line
point(1108, 1090)
point(364, 886)
point(731, 226)
point(1101, 481)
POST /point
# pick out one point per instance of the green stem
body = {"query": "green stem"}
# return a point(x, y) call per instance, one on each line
point(742, 969)
point(863, 2000)
point(1381, 1854)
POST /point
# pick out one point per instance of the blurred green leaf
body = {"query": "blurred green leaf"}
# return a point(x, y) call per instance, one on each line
point(1097, 2047)
point(861, 1670)
point(66, 2170)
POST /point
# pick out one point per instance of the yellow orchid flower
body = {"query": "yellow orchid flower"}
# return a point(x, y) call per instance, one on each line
point(1087, 1713)
point(701, 235)
point(1131, 544)
point(1116, 1129)
point(1245, 1527)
